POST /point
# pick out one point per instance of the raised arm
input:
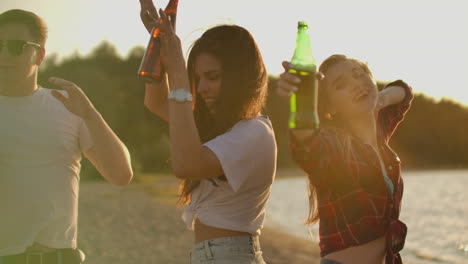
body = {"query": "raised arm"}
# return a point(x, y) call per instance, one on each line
point(394, 102)
point(189, 158)
point(390, 95)
point(155, 92)
point(156, 98)
point(108, 154)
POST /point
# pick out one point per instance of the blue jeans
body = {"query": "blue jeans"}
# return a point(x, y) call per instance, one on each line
point(228, 250)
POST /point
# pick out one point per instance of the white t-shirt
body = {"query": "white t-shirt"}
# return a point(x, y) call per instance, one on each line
point(40, 152)
point(247, 153)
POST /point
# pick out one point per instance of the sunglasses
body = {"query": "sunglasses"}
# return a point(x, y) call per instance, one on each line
point(16, 47)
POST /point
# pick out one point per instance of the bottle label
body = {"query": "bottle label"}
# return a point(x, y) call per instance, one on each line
point(303, 103)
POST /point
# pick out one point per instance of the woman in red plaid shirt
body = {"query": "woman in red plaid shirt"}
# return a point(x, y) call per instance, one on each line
point(354, 176)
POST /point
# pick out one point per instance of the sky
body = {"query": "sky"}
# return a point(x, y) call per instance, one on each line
point(424, 42)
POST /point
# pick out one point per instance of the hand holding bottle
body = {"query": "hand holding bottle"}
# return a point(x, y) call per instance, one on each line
point(148, 14)
point(288, 82)
point(150, 68)
point(303, 102)
point(155, 91)
point(303, 95)
point(171, 49)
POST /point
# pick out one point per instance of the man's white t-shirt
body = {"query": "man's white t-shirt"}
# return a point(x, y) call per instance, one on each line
point(40, 152)
point(247, 154)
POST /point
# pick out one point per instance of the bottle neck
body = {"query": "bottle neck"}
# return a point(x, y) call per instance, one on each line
point(303, 58)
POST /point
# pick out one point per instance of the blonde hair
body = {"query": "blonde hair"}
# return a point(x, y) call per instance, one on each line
point(328, 121)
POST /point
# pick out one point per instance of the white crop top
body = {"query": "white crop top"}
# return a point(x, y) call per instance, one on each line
point(247, 154)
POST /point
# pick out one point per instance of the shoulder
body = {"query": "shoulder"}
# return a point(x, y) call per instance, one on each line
point(326, 140)
point(256, 131)
point(46, 94)
point(332, 134)
point(259, 124)
point(247, 133)
point(57, 109)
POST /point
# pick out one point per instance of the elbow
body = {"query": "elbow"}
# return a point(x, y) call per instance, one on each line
point(185, 173)
point(123, 178)
point(158, 111)
point(151, 107)
point(182, 174)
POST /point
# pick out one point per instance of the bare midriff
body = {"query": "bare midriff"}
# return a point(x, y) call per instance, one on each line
point(204, 232)
point(372, 252)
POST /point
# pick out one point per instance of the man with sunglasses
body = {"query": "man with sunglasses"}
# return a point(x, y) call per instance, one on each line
point(43, 133)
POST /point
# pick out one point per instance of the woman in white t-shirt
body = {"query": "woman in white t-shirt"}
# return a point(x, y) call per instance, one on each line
point(221, 147)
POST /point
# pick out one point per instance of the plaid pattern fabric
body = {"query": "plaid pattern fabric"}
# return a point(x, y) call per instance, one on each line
point(355, 204)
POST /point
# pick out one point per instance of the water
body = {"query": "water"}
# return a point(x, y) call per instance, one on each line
point(435, 209)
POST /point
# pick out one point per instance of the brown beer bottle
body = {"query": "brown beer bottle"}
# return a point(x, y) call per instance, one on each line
point(151, 68)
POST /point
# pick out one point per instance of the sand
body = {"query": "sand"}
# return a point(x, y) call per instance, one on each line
point(139, 223)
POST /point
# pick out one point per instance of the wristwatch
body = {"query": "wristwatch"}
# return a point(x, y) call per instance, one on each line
point(180, 95)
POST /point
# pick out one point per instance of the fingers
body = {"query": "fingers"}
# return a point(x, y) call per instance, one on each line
point(163, 17)
point(148, 14)
point(165, 25)
point(72, 89)
point(282, 92)
point(148, 21)
point(149, 8)
point(66, 85)
point(161, 21)
point(62, 98)
point(285, 88)
point(287, 83)
point(290, 78)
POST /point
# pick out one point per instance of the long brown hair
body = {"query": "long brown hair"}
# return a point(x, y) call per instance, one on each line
point(243, 86)
point(328, 120)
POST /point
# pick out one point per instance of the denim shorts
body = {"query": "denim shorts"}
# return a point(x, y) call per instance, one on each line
point(228, 250)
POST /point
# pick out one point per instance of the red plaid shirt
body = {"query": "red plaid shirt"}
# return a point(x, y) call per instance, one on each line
point(355, 205)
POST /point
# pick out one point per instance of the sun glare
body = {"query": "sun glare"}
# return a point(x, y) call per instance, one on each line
point(422, 44)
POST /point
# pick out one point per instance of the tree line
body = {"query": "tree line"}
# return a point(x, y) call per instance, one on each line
point(433, 135)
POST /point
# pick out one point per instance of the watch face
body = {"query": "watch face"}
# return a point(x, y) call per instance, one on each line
point(180, 95)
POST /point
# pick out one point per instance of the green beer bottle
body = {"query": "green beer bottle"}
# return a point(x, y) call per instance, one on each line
point(303, 103)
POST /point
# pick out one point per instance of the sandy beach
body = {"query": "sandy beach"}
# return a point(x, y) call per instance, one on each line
point(140, 223)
